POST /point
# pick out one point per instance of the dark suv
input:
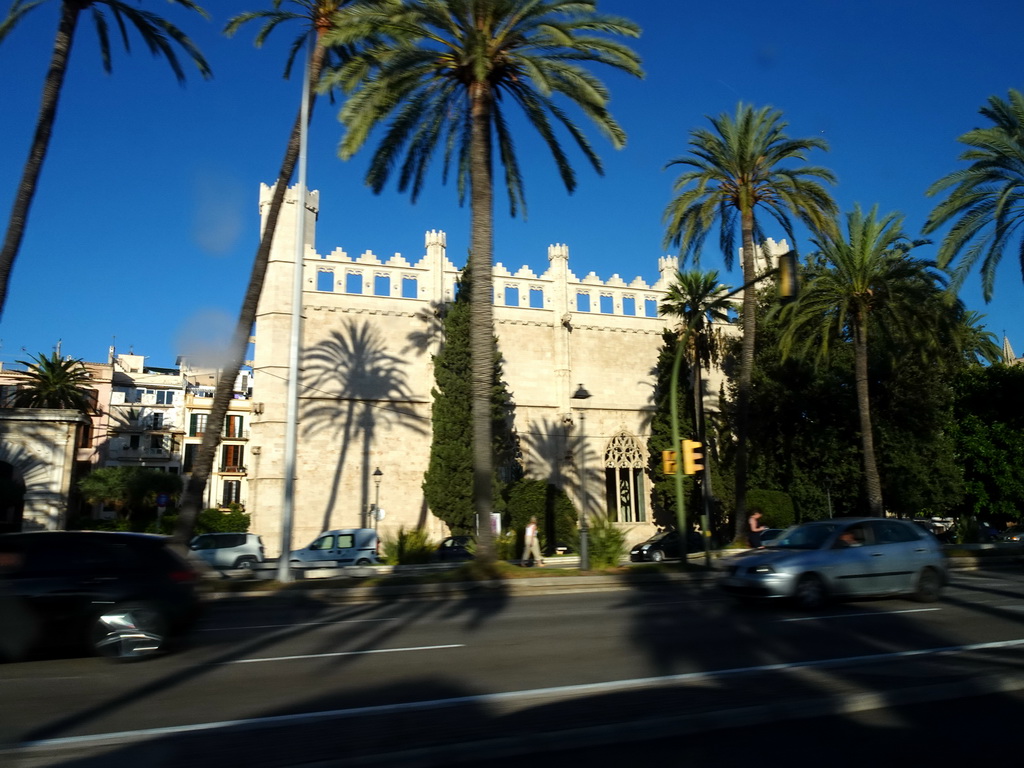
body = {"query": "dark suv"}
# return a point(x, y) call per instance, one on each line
point(124, 595)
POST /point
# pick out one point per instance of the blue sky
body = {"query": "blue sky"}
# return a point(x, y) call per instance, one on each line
point(145, 223)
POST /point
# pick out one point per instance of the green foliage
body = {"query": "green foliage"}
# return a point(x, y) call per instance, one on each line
point(776, 507)
point(988, 434)
point(448, 481)
point(217, 521)
point(985, 200)
point(128, 489)
point(51, 382)
point(555, 513)
point(606, 543)
point(409, 547)
point(504, 545)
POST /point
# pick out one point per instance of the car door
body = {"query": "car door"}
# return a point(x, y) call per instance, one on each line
point(904, 553)
point(853, 561)
point(324, 548)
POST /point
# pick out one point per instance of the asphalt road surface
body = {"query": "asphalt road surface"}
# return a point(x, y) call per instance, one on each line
point(645, 673)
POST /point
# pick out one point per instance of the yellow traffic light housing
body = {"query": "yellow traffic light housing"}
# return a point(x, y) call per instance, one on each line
point(693, 457)
point(668, 462)
point(788, 283)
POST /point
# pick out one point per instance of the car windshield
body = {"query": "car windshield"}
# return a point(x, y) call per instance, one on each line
point(808, 536)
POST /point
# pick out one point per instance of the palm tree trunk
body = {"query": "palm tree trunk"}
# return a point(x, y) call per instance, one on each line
point(746, 371)
point(873, 484)
point(203, 467)
point(40, 143)
point(481, 332)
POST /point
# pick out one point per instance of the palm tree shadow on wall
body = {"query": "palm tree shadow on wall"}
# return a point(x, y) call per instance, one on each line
point(431, 336)
point(351, 388)
point(556, 452)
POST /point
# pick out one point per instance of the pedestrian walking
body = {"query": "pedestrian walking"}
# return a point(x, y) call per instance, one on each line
point(531, 545)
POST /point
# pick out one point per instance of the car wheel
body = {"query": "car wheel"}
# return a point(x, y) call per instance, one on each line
point(810, 592)
point(363, 561)
point(129, 631)
point(929, 586)
point(245, 562)
point(657, 555)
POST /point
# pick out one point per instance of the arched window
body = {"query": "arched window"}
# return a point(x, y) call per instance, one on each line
point(624, 480)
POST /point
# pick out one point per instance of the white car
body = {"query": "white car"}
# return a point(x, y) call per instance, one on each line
point(228, 550)
point(841, 558)
point(350, 546)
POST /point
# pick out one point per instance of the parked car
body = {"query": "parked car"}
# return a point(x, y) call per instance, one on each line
point(664, 545)
point(455, 548)
point(351, 546)
point(124, 595)
point(228, 550)
point(1013, 534)
point(838, 558)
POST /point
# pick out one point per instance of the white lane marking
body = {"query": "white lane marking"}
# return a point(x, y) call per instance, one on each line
point(281, 626)
point(856, 615)
point(343, 653)
point(562, 691)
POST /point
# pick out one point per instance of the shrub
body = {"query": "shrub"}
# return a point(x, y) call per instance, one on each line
point(555, 513)
point(216, 521)
point(409, 547)
point(606, 543)
point(776, 507)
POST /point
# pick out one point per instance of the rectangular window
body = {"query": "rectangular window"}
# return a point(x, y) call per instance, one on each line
point(607, 305)
point(231, 458)
point(156, 443)
point(156, 421)
point(650, 307)
point(353, 282)
point(133, 442)
point(582, 302)
point(537, 298)
point(233, 426)
point(381, 285)
point(511, 297)
point(190, 456)
point(325, 281)
point(410, 288)
point(629, 305)
point(197, 424)
point(232, 492)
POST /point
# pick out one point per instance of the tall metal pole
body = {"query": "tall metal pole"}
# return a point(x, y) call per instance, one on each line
point(582, 394)
point(284, 573)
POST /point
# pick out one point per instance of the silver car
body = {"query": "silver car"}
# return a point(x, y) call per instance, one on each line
point(228, 550)
point(839, 558)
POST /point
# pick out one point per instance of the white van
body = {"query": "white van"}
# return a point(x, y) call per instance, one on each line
point(351, 546)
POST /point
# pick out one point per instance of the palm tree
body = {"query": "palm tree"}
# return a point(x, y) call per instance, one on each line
point(698, 299)
point(866, 280)
point(157, 33)
point(986, 199)
point(55, 383)
point(445, 77)
point(319, 17)
point(736, 172)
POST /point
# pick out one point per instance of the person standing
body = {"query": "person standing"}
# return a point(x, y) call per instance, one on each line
point(756, 528)
point(531, 544)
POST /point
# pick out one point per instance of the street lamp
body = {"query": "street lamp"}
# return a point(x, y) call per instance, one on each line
point(377, 477)
point(582, 394)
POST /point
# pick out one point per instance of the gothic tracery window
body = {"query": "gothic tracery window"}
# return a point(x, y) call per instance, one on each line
point(624, 479)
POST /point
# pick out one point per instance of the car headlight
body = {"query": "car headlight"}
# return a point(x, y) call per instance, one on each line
point(762, 569)
point(645, 547)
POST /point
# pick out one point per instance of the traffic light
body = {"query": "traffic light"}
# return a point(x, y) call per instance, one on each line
point(693, 457)
point(788, 285)
point(668, 462)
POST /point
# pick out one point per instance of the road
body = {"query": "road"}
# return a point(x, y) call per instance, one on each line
point(281, 682)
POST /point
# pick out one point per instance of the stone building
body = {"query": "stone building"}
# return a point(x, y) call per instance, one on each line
point(370, 327)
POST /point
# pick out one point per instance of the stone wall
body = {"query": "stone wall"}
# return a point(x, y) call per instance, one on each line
point(370, 327)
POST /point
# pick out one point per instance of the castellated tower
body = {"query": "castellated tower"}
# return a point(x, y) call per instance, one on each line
point(371, 326)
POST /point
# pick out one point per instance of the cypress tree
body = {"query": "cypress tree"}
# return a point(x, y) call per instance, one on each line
point(448, 481)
